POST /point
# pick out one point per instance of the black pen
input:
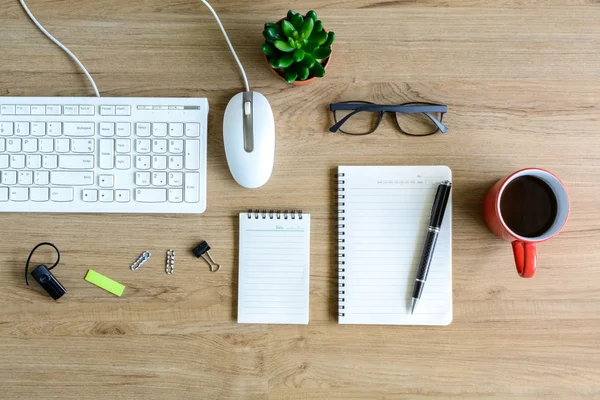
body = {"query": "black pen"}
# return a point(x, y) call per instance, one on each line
point(435, 222)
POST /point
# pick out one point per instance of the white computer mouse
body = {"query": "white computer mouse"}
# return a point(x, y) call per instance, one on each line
point(249, 139)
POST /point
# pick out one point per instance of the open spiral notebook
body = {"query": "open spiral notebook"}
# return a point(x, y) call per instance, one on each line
point(383, 219)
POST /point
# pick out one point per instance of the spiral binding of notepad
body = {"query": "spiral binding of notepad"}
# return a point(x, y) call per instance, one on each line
point(341, 197)
point(274, 214)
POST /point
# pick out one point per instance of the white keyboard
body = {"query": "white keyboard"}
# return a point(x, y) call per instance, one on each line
point(103, 155)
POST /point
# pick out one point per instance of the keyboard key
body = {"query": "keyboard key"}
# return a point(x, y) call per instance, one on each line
point(86, 110)
point(82, 145)
point(142, 129)
point(25, 178)
point(107, 154)
point(151, 195)
point(54, 128)
point(17, 161)
point(22, 128)
point(123, 145)
point(89, 195)
point(7, 109)
point(39, 194)
point(3, 194)
point(159, 162)
point(192, 154)
point(41, 177)
point(159, 178)
point(30, 145)
point(3, 161)
point(142, 178)
point(13, 145)
point(175, 195)
point(38, 128)
point(123, 162)
point(75, 162)
point(176, 162)
point(78, 129)
point(50, 161)
point(107, 129)
point(6, 128)
point(9, 177)
point(62, 145)
point(107, 110)
point(53, 110)
point(159, 146)
point(61, 194)
point(106, 181)
point(22, 110)
point(192, 129)
point(106, 196)
point(123, 129)
point(38, 110)
point(122, 195)
point(123, 110)
point(71, 110)
point(2, 144)
point(142, 162)
point(19, 194)
point(142, 145)
point(159, 129)
point(65, 178)
point(34, 161)
point(176, 129)
point(176, 146)
point(192, 187)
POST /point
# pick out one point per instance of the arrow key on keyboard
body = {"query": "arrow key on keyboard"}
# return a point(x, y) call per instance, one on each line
point(122, 195)
point(89, 195)
point(106, 196)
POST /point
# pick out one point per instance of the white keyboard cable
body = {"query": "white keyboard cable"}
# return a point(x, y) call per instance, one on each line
point(237, 60)
point(62, 46)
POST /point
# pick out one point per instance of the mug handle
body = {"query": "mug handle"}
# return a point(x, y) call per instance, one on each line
point(525, 258)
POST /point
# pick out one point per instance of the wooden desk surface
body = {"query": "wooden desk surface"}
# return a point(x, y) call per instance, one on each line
point(522, 83)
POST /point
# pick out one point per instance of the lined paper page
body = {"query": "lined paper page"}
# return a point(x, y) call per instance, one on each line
point(274, 269)
point(386, 212)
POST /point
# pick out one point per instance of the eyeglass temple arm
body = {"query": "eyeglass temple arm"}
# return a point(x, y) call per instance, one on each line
point(437, 123)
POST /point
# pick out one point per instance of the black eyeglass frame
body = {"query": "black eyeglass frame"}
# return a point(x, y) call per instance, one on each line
point(381, 109)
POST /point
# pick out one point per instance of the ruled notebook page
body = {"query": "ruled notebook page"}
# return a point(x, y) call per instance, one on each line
point(386, 211)
point(274, 269)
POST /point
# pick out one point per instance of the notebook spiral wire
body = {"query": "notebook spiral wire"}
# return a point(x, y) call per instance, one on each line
point(274, 214)
point(341, 246)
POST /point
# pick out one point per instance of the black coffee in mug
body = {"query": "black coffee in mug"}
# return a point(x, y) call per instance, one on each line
point(528, 206)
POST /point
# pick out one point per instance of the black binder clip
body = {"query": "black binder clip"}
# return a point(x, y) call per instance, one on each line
point(202, 249)
point(43, 276)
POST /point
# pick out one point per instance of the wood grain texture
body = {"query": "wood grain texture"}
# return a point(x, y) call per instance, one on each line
point(522, 81)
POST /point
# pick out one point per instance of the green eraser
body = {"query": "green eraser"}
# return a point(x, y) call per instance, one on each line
point(105, 283)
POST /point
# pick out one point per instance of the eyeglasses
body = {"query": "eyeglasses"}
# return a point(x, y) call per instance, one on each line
point(363, 117)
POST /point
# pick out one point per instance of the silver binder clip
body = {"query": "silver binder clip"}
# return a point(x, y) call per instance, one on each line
point(145, 256)
point(200, 250)
point(170, 268)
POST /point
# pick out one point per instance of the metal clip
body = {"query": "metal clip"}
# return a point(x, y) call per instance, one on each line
point(141, 260)
point(200, 250)
point(170, 268)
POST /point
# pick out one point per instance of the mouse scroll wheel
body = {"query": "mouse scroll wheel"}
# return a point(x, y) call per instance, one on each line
point(247, 108)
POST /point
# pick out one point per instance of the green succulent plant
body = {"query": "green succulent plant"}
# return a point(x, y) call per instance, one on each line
point(298, 45)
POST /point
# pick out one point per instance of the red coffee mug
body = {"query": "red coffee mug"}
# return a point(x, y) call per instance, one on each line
point(524, 248)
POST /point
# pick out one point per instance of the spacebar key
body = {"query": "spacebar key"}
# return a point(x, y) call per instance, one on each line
point(151, 195)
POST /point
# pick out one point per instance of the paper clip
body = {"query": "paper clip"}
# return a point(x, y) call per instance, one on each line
point(141, 260)
point(170, 268)
point(202, 249)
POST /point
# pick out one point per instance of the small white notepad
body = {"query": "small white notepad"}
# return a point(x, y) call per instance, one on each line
point(384, 216)
point(274, 267)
